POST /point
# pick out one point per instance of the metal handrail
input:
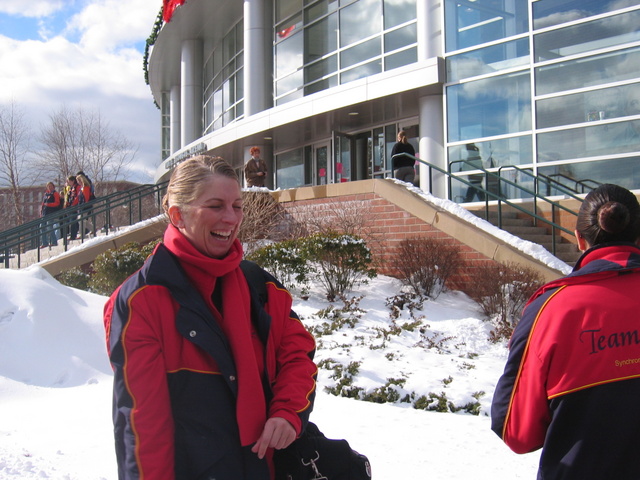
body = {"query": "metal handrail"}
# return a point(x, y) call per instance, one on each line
point(492, 196)
point(17, 240)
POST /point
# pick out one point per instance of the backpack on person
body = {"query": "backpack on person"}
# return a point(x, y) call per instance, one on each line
point(312, 455)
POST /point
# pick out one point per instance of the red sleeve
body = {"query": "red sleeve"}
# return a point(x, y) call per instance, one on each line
point(56, 200)
point(143, 422)
point(290, 356)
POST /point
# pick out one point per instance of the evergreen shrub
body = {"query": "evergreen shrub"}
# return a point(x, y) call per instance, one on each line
point(114, 266)
point(75, 277)
point(342, 260)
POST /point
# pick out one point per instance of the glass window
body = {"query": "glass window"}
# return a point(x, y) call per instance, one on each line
point(321, 38)
point(488, 60)
point(495, 153)
point(321, 85)
point(401, 37)
point(289, 83)
point(398, 11)
point(469, 23)
point(364, 51)
point(289, 55)
point(493, 106)
point(515, 151)
point(319, 9)
point(547, 13)
point(591, 71)
point(290, 170)
point(292, 96)
point(320, 69)
point(586, 37)
point(401, 59)
point(584, 176)
point(606, 103)
point(604, 139)
point(362, 71)
point(286, 8)
point(360, 20)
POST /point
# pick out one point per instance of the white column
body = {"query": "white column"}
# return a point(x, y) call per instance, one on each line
point(191, 91)
point(258, 56)
point(430, 45)
point(430, 34)
point(174, 114)
point(432, 144)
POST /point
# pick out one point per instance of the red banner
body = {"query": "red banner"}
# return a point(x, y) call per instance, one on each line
point(168, 7)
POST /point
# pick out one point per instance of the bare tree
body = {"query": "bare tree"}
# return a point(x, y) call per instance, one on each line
point(14, 148)
point(79, 139)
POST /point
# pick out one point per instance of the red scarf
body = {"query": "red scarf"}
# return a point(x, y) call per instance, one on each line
point(235, 321)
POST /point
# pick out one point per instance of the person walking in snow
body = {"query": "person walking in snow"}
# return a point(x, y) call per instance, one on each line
point(190, 365)
point(572, 380)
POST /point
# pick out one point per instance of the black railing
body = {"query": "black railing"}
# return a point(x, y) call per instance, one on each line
point(495, 183)
point(104, 214)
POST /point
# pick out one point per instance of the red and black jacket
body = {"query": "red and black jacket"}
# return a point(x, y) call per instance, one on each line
point(572, 380)
point(175, 379)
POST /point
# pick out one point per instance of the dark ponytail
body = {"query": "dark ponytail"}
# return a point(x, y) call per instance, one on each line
point(609, 213)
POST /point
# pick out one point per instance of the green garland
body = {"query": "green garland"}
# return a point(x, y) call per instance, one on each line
point(150, 41)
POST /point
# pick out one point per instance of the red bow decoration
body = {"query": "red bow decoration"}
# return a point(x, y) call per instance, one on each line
point(168, 7)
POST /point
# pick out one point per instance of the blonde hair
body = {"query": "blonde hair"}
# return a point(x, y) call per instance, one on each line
point(188, 178)
point(84, 180)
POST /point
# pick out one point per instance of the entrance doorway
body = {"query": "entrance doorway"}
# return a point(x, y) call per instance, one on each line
point(361, 156)
point(321, 170)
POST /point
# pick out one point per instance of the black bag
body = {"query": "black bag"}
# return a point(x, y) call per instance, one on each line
point(316, 457)
point(312, 456)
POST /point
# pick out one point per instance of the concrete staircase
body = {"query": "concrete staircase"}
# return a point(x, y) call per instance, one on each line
point(524, 228)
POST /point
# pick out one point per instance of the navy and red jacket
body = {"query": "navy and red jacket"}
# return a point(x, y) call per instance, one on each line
point(175, 382)
point(51, 203)
point(571, 384)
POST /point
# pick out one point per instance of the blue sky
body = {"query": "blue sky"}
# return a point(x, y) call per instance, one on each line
point(85, 54)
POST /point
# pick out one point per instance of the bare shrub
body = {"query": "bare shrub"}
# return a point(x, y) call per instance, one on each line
point(502, 292)
point(425, 264)
point(262, 215)
point(348, 217)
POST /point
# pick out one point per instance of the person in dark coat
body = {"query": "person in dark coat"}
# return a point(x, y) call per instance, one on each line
point(402, 165)
point(572, 380)
point(51, 204)
point(255, 170)
point(198, 393)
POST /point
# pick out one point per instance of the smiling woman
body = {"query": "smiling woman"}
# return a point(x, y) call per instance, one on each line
point(189, 364)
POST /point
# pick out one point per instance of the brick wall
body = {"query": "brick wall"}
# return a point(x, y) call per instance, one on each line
point(385, 226)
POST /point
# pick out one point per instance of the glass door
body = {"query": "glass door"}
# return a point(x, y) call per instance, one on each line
point(321, 170)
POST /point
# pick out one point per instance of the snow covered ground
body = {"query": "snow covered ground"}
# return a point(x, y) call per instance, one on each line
point(55, 385)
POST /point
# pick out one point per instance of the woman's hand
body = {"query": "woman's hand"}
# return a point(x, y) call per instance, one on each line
point(278, 433)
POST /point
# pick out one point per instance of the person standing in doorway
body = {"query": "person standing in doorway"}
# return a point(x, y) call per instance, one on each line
point(403, 165)
point(255, 170)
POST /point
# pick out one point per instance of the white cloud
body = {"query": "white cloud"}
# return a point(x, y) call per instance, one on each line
point(102, 71)
point(108, 24)
point(32, 8)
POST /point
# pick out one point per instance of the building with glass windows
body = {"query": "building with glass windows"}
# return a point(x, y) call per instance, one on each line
point(323, 86)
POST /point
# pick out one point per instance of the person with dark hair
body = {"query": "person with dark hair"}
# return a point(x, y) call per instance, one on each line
point(255, 170)
point(403, 165)
point(572, 379)
point(202, 388)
